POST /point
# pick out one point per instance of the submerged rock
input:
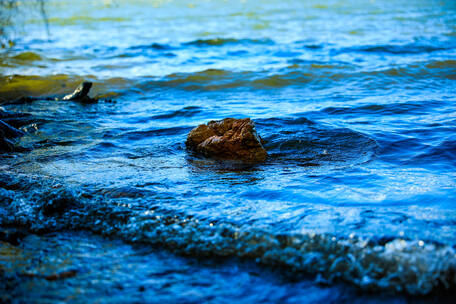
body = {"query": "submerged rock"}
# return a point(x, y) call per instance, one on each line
point(229, 138)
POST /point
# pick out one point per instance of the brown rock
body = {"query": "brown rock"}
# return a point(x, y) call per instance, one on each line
point(229, 138)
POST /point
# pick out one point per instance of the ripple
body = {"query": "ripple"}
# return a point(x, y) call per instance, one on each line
point(28, 56)
point(154, 46)
point(227, 41)
point(138, 135)
point(399, 49)
point(305, 142)
point(184, 112)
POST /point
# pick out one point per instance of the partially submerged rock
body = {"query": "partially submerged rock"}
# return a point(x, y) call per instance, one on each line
point(81, 93)
point(229, 138)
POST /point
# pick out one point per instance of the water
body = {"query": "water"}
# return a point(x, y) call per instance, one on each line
point(356, 103)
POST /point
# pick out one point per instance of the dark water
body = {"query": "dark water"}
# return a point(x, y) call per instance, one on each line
point(356, 103)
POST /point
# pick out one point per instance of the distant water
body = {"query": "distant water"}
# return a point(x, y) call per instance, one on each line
point(357, 105)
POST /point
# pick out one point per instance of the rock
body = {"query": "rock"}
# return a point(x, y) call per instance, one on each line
point(81, 93)
point(229, 138)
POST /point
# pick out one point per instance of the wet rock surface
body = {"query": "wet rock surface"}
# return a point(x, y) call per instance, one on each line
point(229, 138)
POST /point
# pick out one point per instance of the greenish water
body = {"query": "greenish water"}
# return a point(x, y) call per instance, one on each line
point(356, 103)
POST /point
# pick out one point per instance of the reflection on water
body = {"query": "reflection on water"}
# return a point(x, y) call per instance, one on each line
point(355, 102)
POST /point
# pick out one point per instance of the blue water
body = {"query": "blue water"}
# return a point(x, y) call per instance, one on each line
point(355, 102)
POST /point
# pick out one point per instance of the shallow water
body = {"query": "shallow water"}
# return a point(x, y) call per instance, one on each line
point(167, 278)
point(356, 103)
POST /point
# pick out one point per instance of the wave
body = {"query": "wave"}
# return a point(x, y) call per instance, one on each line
point(154, 46)
point(216, 79)
point(27, 56)
point(137, 135)
point(410, 48)
point(316, 74)
point(374, 264)
point(201, 43)
point(417, 107)
point(184, 112)
point(444, 153)
point(441, 64)
point(226, 41)
point(216, 42)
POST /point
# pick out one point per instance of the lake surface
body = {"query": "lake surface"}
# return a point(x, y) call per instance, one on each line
point(355, 101)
